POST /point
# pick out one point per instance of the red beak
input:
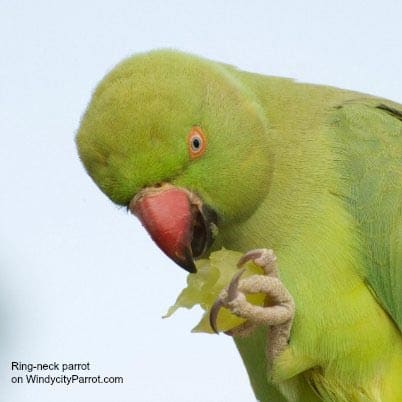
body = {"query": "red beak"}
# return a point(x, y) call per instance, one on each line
point(176, 220)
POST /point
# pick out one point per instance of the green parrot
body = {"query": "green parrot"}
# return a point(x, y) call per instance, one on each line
point(305, 180)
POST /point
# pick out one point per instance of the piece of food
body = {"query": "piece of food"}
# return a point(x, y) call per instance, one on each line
point(203, 288)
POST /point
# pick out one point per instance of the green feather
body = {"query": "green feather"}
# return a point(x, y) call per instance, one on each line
point(371, 142)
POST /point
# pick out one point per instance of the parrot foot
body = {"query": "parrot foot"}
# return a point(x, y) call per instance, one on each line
point(279, 308)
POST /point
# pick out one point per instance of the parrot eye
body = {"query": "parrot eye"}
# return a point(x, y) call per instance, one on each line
point(196, 142)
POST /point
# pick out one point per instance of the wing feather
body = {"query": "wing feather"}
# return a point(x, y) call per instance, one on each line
point(370, 139)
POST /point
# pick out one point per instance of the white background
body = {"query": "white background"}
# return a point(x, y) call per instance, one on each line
point(79, 279)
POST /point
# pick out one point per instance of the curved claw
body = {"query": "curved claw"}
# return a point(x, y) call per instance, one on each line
point(213, 315)
point(233, 285)
point(264, 258)
point(251, 255)
point(232, 293)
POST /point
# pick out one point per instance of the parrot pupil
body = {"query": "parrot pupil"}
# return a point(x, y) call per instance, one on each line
point(196, 144)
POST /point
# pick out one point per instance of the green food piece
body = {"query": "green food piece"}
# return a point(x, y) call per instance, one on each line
point(203, 288)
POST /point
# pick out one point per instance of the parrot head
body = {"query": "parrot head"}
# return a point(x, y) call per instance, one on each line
point(181, 143)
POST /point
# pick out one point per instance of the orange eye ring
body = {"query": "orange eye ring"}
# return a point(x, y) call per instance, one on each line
point(196, 142)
